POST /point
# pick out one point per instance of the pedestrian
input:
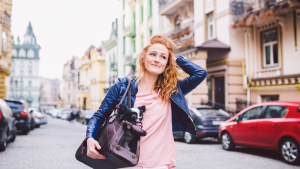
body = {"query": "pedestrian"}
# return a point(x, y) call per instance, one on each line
point(157, 86)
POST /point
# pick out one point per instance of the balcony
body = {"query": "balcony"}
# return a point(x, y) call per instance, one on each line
point(5, 19)
point(167, 7)
point(130, 60)
point(285, 80)
point(246, 12)
point(113, 67)
point(185, 35)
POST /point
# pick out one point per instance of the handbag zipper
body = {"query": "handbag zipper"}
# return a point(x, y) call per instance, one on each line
point(186, 114)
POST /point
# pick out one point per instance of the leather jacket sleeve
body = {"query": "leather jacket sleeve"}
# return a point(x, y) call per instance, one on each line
point(110, 101)
point(196, 72)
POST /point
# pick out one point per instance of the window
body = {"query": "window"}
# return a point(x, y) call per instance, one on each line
point(177, 21)
point(269, 98)
point(275, 112)
point(21, 72)
point(150, 32)
point(30, 73)
point(21, 83)
point(123, 45)
point(30, 53)
point(69, 86)
point(270, 48)
point(4, 41)
point(150, 9)
point(29, 83)
point(68, 98)
point(123, 4)
point(142, 13)
point(14, 53)
point(22, 53)
point(123, 22)
point(211, 26)
point(253, 113)
point(142, 38)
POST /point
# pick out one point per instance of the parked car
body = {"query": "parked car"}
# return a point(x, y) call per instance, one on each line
point(87, 115)
point(39, 119)
point(65, 114)
point(8, 130)
point(269, 125)
point(207, 121)
point(20, 113)
point(60, 112)
point(54, 112)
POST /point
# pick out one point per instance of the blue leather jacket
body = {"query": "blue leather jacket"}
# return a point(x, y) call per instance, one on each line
point(181, 119)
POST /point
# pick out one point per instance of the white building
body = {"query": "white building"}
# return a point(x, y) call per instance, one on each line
point(70, 81)
point(24, 80)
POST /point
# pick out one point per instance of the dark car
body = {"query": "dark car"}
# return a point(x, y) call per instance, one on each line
point(87, 116)
point(8, 130)
point(207, 121)
point(23, 118)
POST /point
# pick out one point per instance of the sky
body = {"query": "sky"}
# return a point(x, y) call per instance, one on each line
point(63, 28)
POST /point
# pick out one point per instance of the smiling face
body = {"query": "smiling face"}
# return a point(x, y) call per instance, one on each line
point(156, 59)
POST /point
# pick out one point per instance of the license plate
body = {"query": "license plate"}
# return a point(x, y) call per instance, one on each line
point(217, 122)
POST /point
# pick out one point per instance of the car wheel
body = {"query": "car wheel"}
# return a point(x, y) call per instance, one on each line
point(14, 136)
point(189, 138)
point(4, 144)
point(82, 121)
point(290, 150)
point(38, 125)
point(227, 142)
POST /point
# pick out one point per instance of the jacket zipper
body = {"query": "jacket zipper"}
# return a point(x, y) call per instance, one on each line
point(186, 114)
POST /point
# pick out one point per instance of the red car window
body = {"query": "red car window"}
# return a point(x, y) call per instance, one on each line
point(253, 113)
point(275, 112)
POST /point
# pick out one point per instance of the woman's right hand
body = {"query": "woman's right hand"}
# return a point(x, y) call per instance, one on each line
point(92, 145)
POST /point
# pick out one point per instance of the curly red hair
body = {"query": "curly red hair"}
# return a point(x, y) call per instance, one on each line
point(166, 81)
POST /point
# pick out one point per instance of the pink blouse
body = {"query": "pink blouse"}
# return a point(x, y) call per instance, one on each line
point(157, 148)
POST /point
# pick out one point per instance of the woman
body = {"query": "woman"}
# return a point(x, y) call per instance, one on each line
point(158, 88)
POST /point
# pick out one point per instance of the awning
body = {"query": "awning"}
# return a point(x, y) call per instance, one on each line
point(213, 45)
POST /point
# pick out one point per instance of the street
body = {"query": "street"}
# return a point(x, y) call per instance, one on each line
point(54, 145)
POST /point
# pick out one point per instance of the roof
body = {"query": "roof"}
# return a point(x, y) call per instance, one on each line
point(213, 44)
point(88, 51)
point(29, 31)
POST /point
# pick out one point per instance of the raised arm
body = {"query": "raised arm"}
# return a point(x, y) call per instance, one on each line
point(196, 72)
point(109, 102)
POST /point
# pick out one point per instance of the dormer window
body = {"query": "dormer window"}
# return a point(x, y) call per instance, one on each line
point(4, 41)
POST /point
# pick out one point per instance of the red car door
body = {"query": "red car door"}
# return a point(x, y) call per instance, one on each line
point(245, 131)
point(271, 125)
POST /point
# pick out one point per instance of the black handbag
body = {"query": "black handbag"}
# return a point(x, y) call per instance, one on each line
point(111, 139)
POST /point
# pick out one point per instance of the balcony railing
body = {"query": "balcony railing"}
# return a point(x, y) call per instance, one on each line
point(5, 19)
point(185, 35)
point(244, 9)
point(275, 81)
point(164, 3)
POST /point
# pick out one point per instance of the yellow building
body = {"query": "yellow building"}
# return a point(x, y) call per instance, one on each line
point(91, 79)
point(6, 43)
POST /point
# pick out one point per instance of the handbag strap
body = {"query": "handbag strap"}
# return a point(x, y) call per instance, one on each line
point(128, 92)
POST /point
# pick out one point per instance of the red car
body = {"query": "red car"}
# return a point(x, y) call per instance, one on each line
point(269, 125)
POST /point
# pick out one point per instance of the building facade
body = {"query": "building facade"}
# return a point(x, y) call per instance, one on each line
point(271, 45)
point(24, 79)
point(139, 20)
point(69, 83)
point(49, 93)
point(111, 56)
point(6, 46)
point(92, 79)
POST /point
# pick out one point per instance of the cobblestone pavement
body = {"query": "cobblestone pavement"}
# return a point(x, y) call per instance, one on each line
point(53, 146)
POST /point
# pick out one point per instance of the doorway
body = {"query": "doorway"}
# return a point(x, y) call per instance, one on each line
point(219, 90)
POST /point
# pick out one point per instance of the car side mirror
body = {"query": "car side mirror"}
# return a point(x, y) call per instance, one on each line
point(237, 119)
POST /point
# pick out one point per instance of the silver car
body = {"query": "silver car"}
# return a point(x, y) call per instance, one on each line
point(39, 119)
